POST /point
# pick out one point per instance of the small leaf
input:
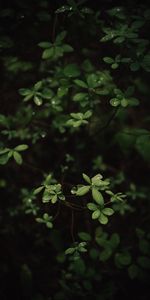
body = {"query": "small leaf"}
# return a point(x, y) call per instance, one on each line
point(87, 114)
point(105, 254)
point(108, 211)
point(115, 102)
point(37, 85)
point(97, 196)
point(92, 80)
point(86, 178)
point(114, 66)
point(81, 83)
point(103, 219)
point(45, 45)
point(48, 53)
point(54, 199)
point(84, 236)
point(38, 190)
point(4, 159)
point(21, 147)
point(70, 251)
point(67, 48)
point(82, 249)
point(96, 214)
point(133, 271)
point(80, 96)
point(82, 190)
point(97, 179)
point(4, 151)
point(123, 258)
point(134, 66)
point(24, 92)
point(17, 157)
point(38, 101)
point(49, 224)
point(124, 102)
point(62, 91)
point(60, 37)
point(91, 206)
point(71, 70)
point(144, 262)
point(108, 60)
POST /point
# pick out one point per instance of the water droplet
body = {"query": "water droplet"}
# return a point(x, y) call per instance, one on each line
point(43, 134)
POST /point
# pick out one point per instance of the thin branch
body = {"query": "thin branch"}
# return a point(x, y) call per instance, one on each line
point(72, 226)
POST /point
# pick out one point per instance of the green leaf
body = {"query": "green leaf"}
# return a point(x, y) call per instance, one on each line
point(80, 96)
point(96, 180)
point(91, 206)
point(70, 251)
point(93, 253)
point(71, 70)
point(46, 198)
point(45, 45)
point(143, 146)
point(134, 66)
point(60, 37)
point(86, 178)
point(82, 249)
point(30, 96)
point(105, 254)
point(144, 262)
point(4, 159)
point(17, 157)
point(96, 214)
point(49, 224)
point(38, 85)
point(38, 100)
point(114, 240)
point(108, 211)
point(97, 196)
point(114, 66)
point(54, 199)
point(144, 246)
point(62, 91)
point(81, 83)
point(38, 190)
point(92, 80)
point(108, 60)
point(84, 236)
point(115, 102)
point(123, 258)
point(124, 102)
point(21, 147)
point(4, 151)
point(67, 48)
point(78, 116)
point(103, 219)
point(133, 271)
point(119, 40)
point(48, 53)
point(87, 114)
point(46, 216)
point(24, 92)
point(83, 190)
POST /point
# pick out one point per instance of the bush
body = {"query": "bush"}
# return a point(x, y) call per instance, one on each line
point(75, 150)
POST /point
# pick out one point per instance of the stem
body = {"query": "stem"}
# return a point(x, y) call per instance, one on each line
point(72, 226)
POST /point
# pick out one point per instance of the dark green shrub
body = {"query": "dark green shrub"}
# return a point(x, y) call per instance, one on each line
point(75, 146)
